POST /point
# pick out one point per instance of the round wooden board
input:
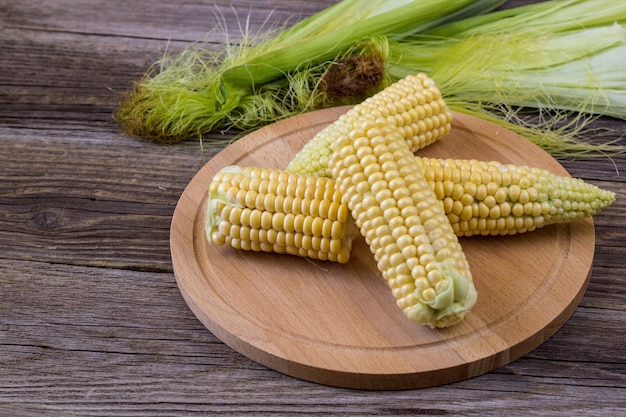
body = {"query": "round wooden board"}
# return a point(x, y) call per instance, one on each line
point(338, 324)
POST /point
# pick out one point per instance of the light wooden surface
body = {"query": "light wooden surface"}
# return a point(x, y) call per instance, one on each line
point(338, 324)
point(92, 322)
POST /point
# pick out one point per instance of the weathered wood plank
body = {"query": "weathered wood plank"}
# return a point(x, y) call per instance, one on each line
point(92, 203)
point(187, 21)
point(110, 342)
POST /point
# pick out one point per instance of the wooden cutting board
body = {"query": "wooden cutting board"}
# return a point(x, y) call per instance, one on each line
point(338, 324)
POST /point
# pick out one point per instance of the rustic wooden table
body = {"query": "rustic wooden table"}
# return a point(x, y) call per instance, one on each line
point(92, 321)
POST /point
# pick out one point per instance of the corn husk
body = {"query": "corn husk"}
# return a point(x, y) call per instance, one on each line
point(570, 77)
point(564, 58)
point(268, 76)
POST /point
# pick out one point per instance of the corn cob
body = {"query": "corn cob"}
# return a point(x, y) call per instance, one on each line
point(403, 223)
point(268, 210)
point(413, 105)
point(491, 198)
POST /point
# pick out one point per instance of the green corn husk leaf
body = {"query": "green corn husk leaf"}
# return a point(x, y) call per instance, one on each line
point(200, 90)
point(565, 58)
point(498, 79)
point(552, 15)
point(394, 19)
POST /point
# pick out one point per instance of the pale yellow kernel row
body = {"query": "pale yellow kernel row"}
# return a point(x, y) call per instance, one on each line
point(313, 225)
point(281, 238)
point(297, 248)
point(319, 189)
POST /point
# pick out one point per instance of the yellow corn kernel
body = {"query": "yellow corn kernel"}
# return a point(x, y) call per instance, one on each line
point(289, 220)
point(417, 252)
point(413, 105)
